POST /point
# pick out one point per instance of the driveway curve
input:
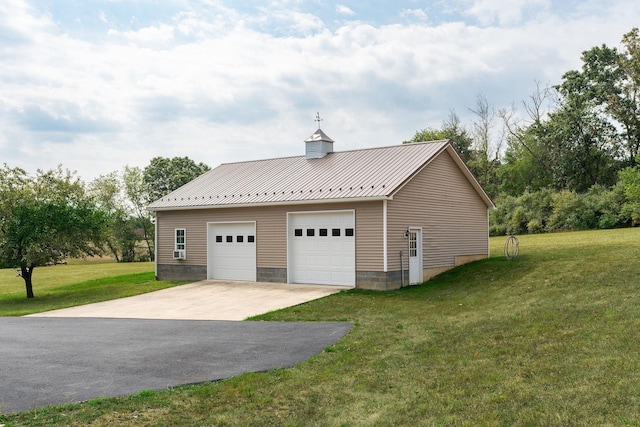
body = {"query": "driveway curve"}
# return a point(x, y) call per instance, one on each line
point(58, 360)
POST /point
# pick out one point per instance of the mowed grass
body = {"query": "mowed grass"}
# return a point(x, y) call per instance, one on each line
point(77, 283)
point(550, 339)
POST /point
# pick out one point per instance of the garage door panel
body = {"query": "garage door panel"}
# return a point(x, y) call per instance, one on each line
point(232, 251)
point(320, 251)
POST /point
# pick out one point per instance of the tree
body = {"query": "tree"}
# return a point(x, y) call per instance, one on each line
point(164, 175)
point(138, 196)
point(486, 153)
point(527, 165)
point(610, 82)
point(568, 145)
point(14, 184)
point(122, 236)
point(45, 220)
point(452, 130)
point(630, 182)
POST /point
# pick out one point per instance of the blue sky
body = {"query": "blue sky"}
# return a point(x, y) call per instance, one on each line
point(97, 85)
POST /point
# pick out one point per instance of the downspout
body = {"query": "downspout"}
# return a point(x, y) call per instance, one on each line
point(385, 248)
point(155, 244)
point(401, 271)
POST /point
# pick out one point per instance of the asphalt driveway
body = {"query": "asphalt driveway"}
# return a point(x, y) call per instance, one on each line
point(182, 335)
point(52, 361)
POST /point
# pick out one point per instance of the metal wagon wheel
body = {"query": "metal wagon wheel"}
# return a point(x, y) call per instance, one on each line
point(512, 248)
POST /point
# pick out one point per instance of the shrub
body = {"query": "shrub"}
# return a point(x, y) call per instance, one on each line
point(548, 211)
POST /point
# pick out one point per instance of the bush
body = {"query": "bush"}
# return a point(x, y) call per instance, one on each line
point(548, 211)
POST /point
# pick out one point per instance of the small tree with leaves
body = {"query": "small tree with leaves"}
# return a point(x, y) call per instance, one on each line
point(46, 219)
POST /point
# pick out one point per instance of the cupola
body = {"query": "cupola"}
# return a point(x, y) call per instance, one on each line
point(319, 144)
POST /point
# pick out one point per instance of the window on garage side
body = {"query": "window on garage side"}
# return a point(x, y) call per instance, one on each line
point(180, 239)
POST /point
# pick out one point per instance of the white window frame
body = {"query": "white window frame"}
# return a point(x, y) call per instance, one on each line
point(177, 245)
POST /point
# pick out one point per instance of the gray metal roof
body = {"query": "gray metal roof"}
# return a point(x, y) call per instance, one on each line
point(374, 173)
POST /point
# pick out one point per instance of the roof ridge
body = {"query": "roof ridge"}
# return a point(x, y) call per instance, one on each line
point(382, 147)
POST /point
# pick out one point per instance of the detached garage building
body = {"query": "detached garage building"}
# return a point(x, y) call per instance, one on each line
point(376, 218)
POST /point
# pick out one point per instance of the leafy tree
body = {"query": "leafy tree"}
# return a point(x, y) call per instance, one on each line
point(123, 231)
point(528, 159)
point(105, 191)
point(630, 182)
point(569, 145)
point(164, 175)
point(14, 185)
point(583, 146)
point(452, 130)
point(610, 81)
point(138, 196)
point(46, 219)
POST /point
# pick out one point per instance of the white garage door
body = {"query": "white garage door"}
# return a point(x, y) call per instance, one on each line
point(232, 251)
point(322, 248)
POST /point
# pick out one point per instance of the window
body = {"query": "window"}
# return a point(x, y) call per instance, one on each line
point(335, 232)
point(239, 239)
point(218, 239)
point(229, 239)
point(180, 239)
point(323, 232)
point(298, 232)
point(311, 232)
point(251, 239)
point(413, 244)
point(348, 232)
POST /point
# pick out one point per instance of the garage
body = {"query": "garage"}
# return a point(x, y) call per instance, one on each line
point(321, 247)
point(231, 251)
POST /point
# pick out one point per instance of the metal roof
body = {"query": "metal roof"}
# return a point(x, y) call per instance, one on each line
point(374, 173)
point(319, 135)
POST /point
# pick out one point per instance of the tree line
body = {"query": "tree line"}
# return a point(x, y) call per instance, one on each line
point(567, 157)
point(53, 215)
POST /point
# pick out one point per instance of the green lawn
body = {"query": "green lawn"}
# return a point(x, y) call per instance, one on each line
point(550, 339)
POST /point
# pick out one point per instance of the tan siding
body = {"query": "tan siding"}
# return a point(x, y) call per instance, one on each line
point(271, 232)
point(452, 215)
point(369, 249)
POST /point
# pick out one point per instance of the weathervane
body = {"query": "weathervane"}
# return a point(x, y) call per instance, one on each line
point(318, 119)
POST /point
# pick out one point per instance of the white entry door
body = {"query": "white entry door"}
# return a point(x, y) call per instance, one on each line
point(415, 256)
point(231, 251)
point(322, 248)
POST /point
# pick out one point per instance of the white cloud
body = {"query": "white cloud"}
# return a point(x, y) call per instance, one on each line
point(505, 13)
point(415, 14)
point(214, 86)
point(154, 34)
point(344, 10)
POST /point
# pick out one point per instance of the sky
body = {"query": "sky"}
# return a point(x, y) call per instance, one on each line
point(96, 85)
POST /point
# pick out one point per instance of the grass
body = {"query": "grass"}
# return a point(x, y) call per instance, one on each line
point(547, 340)
point(74, 284)
point(74, 272)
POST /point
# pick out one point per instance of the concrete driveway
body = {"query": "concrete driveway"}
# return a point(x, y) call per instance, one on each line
point(205, 300)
